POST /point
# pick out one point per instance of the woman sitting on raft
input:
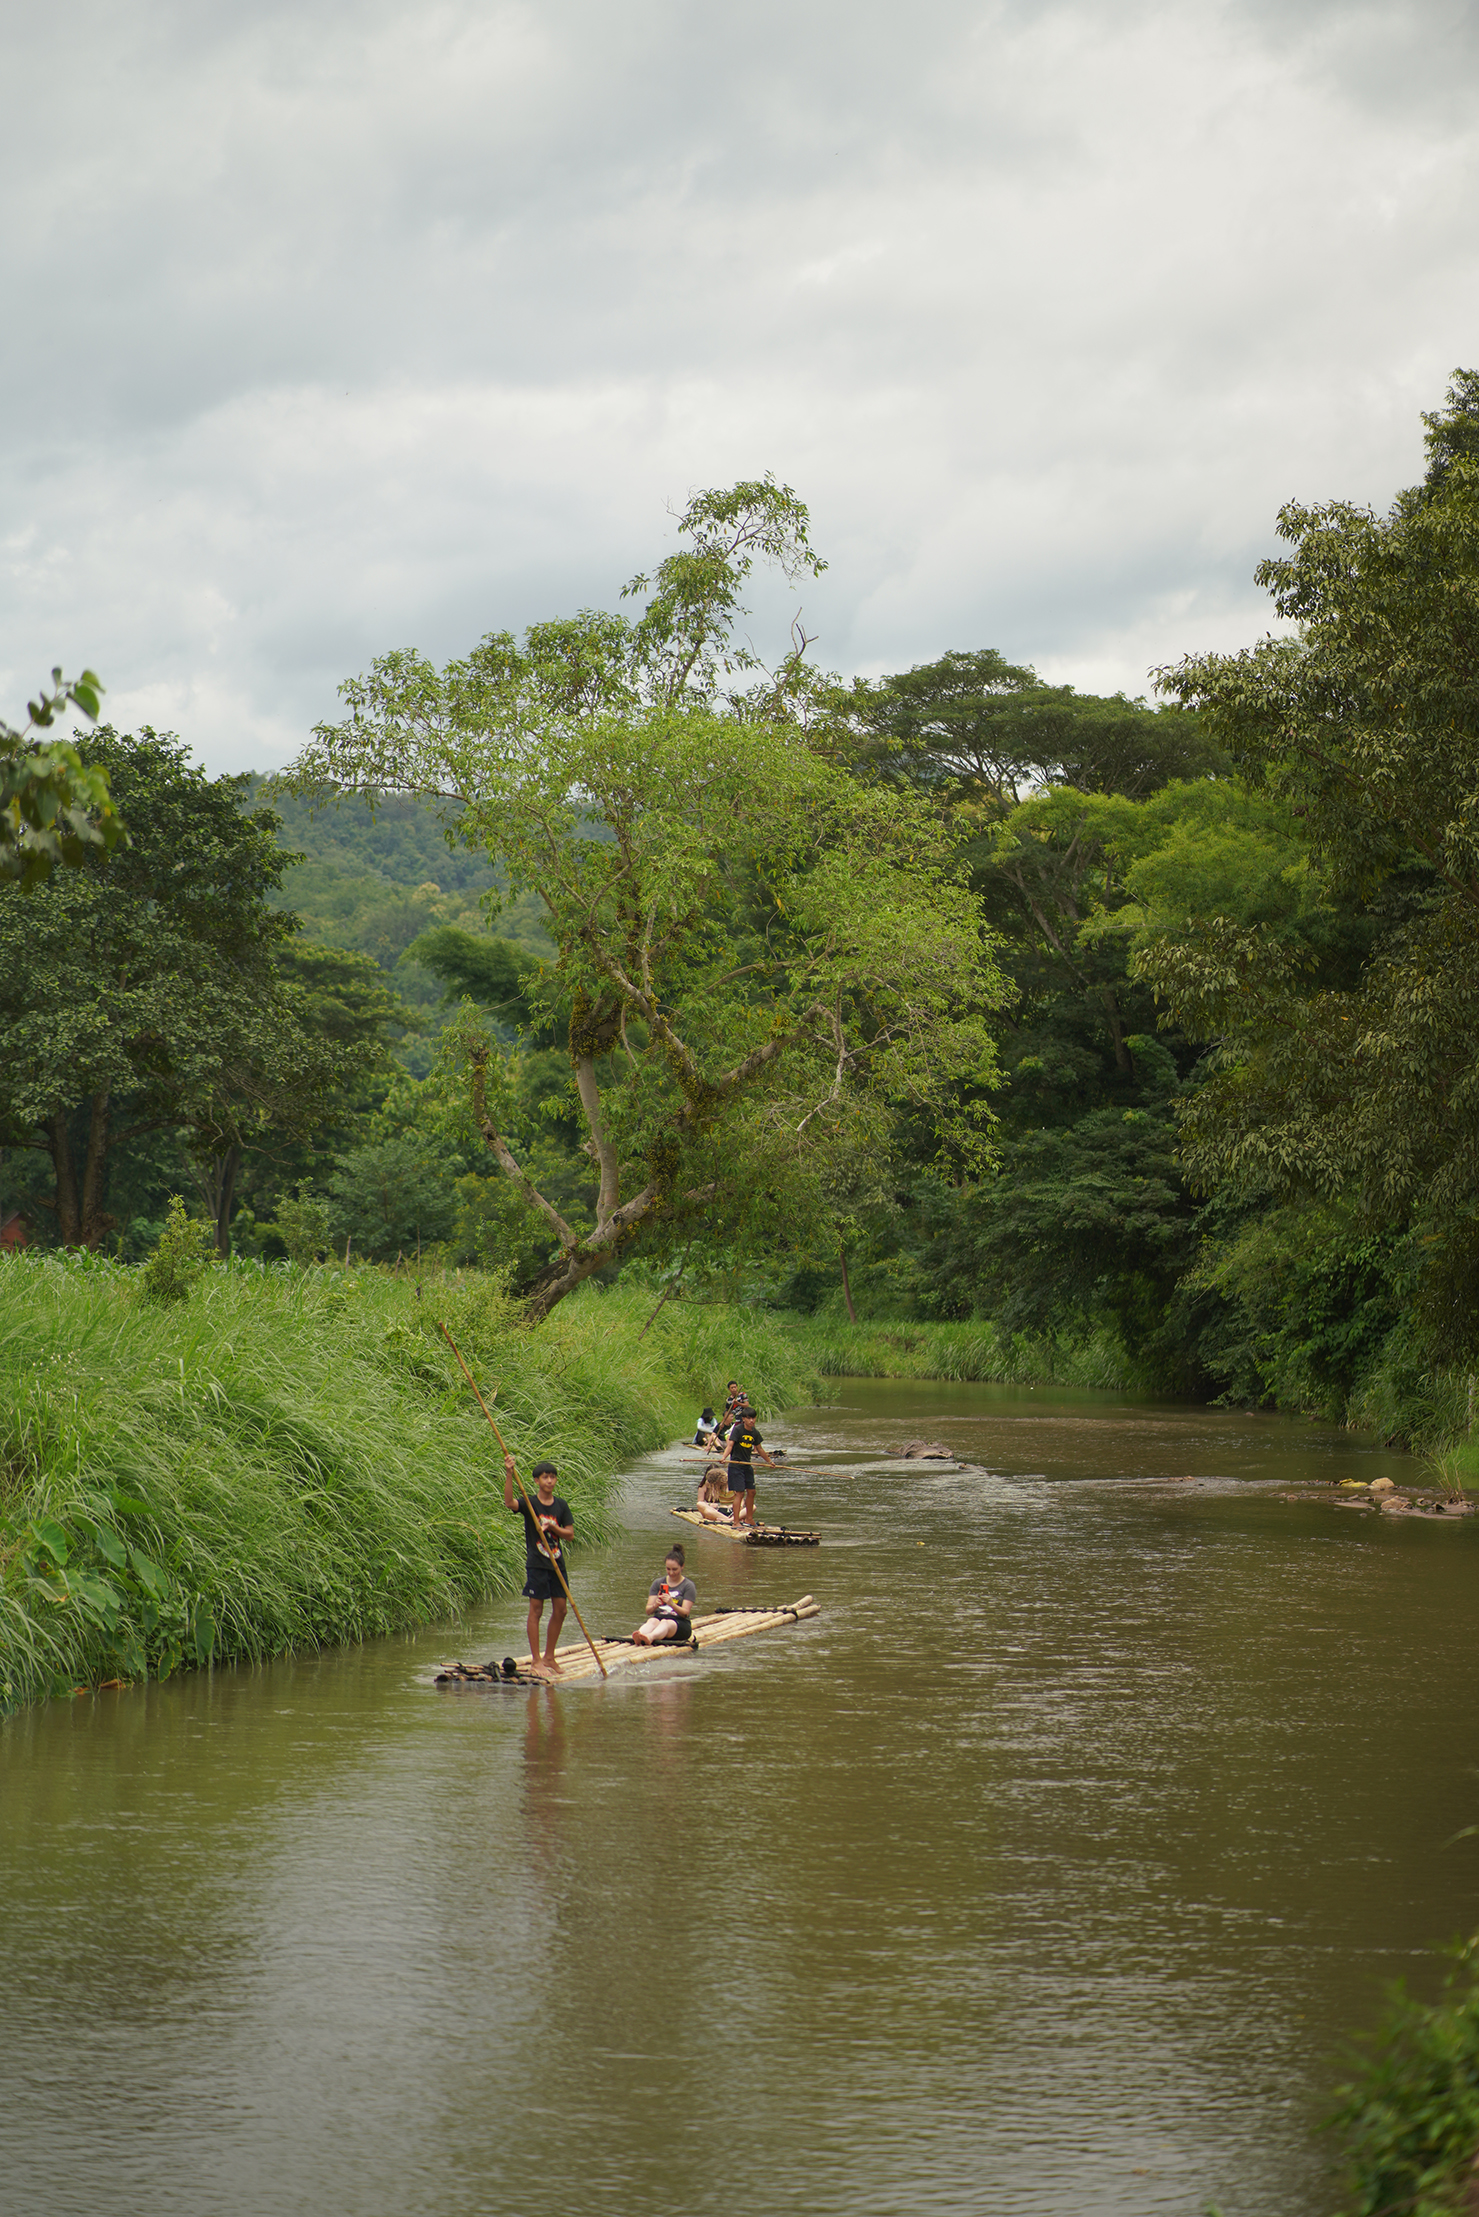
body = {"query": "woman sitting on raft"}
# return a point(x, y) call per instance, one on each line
point(713, 1497)
point(707, 1434)
point(670, 1602)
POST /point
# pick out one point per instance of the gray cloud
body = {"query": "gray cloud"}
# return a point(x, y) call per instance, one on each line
point(360, 326)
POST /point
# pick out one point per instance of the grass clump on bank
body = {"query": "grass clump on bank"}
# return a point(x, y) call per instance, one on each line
point(981, 1352)
point(287, 1458)
point(1408, 2119)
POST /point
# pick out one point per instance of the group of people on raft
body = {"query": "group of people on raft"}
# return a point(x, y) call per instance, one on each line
point(549, 1525)
point(734, 1442)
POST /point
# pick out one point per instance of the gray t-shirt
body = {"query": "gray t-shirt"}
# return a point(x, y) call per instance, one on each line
point(685, 1590)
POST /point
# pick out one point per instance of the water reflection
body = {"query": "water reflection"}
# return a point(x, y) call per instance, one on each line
point(545, 1751)
point(1057, 1908)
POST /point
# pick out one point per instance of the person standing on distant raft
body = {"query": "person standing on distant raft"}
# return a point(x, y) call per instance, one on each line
point(670, 1602)
point(544, 1535)
point(744, 1445)
point(735, 1398)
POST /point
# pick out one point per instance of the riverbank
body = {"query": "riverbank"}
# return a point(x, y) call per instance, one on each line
point(290, 1458)
point(981, 1353)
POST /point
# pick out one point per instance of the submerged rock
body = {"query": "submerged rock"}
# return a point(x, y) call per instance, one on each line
point(920, 1450)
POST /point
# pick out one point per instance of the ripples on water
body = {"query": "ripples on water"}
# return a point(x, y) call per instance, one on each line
point(1040, 1875)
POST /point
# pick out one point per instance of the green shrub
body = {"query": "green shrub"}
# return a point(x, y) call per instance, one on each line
point(302, 1224)
point(1409, 2118)
point(184, 1252)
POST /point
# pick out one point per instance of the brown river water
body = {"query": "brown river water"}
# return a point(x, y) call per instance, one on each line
point(1041, 1876)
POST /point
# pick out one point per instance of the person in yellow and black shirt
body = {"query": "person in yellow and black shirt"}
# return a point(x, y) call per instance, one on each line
point(739, 1457)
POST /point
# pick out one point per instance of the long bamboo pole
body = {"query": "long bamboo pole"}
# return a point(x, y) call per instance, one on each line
point(554, 1559)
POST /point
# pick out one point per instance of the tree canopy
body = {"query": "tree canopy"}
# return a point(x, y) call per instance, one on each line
point(140, 990)
point(756, 951)
point(974, 727)
point(1365, 726)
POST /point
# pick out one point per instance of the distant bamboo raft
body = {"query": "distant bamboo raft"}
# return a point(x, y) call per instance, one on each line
point(759, 1535)
point(578, 1662)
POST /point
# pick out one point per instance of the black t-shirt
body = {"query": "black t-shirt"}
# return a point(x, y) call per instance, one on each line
point(559, 1509)
point(743, 1440)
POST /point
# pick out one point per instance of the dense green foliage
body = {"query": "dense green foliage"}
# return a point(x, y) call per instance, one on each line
point(1366, 727)
point(762, 962)
point(1110, 1038)
point(140, 992)
point(1238, 1132)
point(168, 1027)
point(54, 807)
point(1408, 2118)
point(980, 1352)
point(284, 1458)
point(377, 875)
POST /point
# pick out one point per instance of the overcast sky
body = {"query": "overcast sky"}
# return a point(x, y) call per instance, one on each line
point(338, 327)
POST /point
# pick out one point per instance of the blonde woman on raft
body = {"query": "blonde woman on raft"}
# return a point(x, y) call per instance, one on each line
point(713, 1497)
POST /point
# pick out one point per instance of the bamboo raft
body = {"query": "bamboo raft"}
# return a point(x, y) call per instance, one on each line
point(617, 1654)
point(759, 1535)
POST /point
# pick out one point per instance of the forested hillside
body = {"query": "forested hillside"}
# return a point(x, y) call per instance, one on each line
point(374, 879)
point(950, 995)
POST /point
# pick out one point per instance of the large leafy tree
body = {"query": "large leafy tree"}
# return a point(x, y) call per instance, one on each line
point(139, 991)
point(754, 949)
point(1365, 724)
point(291, 1095)
point(1051, 794)
point(972, 727)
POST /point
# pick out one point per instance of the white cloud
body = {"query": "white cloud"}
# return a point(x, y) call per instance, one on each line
point(355, 327)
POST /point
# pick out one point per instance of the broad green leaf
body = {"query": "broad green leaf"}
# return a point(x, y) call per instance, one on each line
point(101, 1600)
point(154, 1581)
point(49, 1535)
point(128, 1504)
point(204, 1630)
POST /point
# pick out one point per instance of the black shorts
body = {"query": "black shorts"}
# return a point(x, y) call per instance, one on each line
point(682, 1630)
point(541, 1582)
point(742, 1478)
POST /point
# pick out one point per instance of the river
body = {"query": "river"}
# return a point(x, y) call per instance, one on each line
point(1040, 1876)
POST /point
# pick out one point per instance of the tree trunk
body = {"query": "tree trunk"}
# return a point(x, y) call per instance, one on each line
point(68, 1216)
point(228, 1169)
point(852, 1314)
point(94, 1218)
point(1116, 1033)
point(571, 1269)
point(215, 1182)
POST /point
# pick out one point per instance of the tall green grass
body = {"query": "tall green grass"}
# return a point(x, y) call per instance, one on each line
point(289, 1458)
point(981, 1352)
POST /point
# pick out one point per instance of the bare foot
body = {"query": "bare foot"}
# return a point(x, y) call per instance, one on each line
point(555, 1670)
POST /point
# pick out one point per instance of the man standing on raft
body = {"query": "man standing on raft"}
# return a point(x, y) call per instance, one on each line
point(744, 1444)
point(544, 1532)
